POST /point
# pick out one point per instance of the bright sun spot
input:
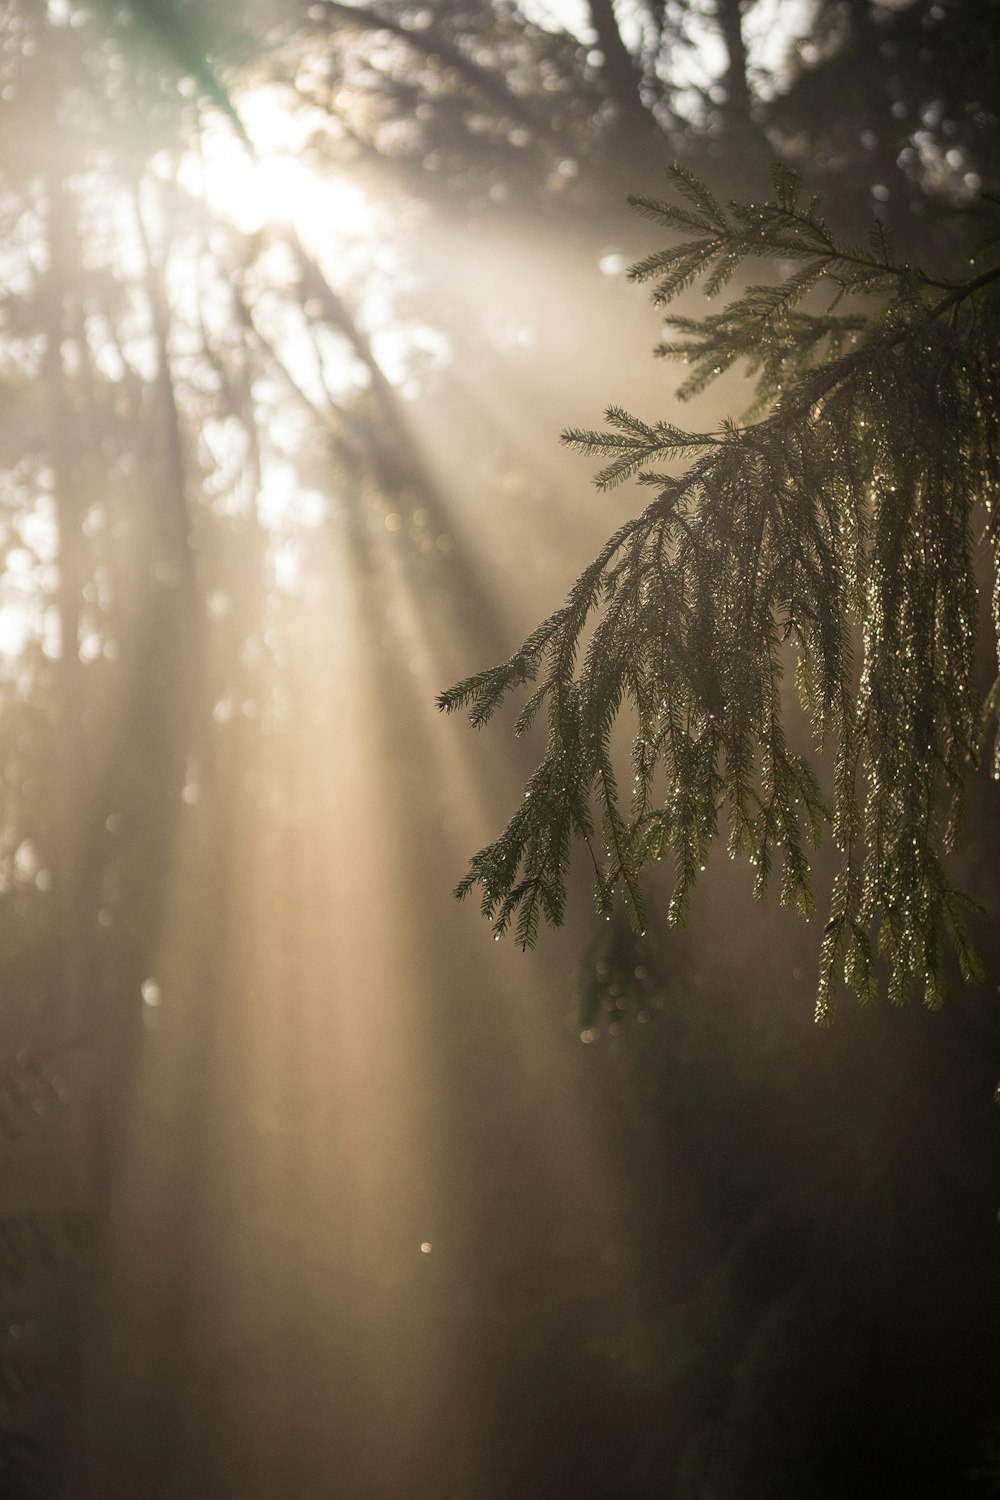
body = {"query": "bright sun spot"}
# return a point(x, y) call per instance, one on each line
point(348, 237)
point(275, 186)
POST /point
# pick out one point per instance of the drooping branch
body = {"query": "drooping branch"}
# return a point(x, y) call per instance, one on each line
point(837, 523)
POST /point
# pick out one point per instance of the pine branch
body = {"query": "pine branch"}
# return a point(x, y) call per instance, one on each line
point(834, 527)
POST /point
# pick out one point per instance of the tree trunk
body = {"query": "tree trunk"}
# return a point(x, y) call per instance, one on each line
point(621, 75)
point(729, 14)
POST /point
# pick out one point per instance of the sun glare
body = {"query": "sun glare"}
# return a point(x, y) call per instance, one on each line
point(279, 186)
point(275, 186)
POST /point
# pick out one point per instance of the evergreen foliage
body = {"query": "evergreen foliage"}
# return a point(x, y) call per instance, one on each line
point(834, 531)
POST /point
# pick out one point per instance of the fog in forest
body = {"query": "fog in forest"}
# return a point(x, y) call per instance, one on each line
point(311, 1190)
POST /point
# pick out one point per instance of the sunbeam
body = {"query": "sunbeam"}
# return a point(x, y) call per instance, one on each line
point(317, 1188)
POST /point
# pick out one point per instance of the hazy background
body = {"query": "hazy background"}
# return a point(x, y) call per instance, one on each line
point(310, 1191)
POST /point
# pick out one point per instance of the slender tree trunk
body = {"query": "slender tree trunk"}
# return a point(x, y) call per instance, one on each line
point(746, 146)
point(77, 939)
point(77, 879)
point(398, 464)
point(621, 74)
point(729, 14)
